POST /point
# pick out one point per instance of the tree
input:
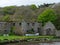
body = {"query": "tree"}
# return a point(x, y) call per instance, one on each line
point(33, 7)
point(47, 15)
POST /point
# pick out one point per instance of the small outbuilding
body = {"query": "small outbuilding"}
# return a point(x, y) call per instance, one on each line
point(49, 29)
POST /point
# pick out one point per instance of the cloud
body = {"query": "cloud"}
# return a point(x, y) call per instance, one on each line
point(25, 2)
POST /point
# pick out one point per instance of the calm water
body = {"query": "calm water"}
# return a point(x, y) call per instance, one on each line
point(54, 43)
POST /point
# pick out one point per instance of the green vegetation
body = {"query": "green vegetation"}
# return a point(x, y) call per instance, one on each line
point(33, 7)
point(30, 31)
point(9, 10)
point(11, 30)
point(23, 37)
point(6, 18)
point(47, 15)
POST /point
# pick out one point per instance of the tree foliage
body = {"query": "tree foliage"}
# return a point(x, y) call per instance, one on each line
point(33, 7)
point(47, 15)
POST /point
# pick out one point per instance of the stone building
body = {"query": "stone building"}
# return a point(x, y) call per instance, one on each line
point(49, 29)
point(5, 27)
point(25, 27)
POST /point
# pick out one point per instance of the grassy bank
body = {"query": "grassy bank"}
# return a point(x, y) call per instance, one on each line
point(23, 37)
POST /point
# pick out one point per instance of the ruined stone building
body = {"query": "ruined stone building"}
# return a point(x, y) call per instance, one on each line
point(22, 28)
point(49, 29)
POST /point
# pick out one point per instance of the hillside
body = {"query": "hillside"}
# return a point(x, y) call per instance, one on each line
point(17, 13)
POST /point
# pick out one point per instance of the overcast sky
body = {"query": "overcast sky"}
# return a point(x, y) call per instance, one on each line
point(25, 2)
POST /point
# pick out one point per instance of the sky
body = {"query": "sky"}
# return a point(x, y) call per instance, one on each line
point(4, 3)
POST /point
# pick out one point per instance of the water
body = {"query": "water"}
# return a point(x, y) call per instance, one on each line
point(54, 43)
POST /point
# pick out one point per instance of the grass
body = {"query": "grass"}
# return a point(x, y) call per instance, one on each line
point(23, 37)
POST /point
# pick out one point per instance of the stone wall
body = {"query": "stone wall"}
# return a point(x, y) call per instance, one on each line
point(58, 33)
point(23, 27)
point(5, 27)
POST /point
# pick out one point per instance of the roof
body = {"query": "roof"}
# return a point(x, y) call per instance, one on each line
point(49, 25)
